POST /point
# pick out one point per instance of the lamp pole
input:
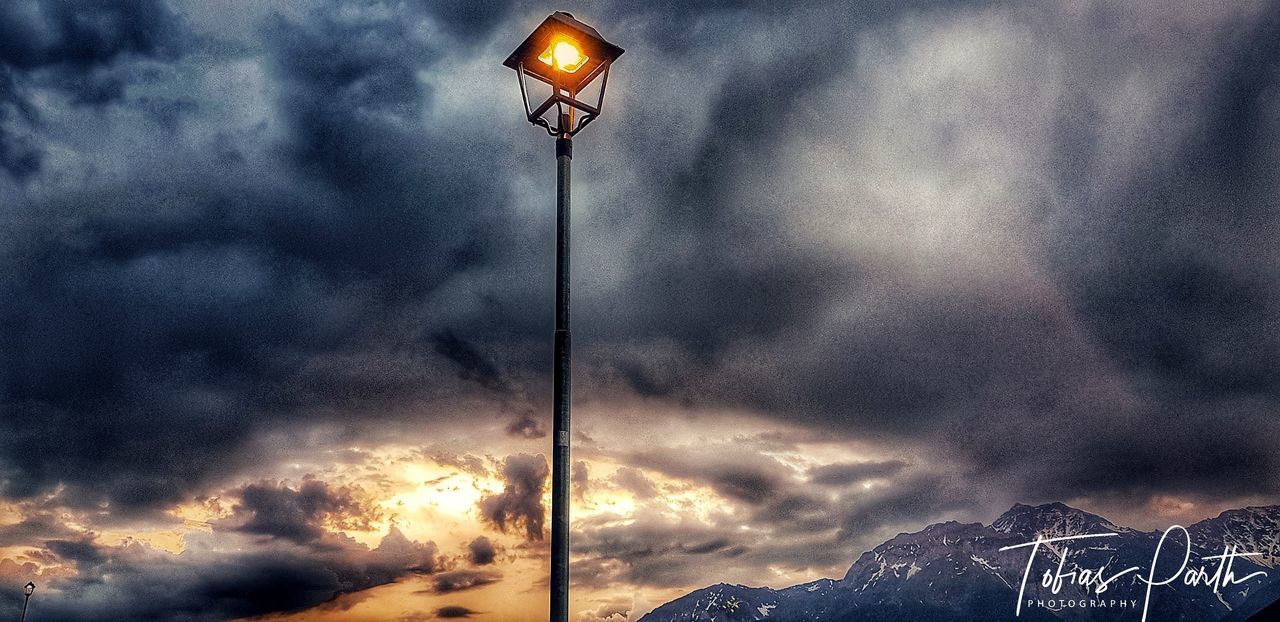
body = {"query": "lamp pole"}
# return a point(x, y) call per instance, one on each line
point(566, 55)
point(562, 390)
point(27, 590)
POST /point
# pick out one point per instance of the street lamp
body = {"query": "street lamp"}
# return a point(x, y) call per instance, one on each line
point(568, 56)
point(27, 591)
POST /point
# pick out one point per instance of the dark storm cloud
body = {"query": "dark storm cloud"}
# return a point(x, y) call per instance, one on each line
point(752, 486)
point(1182, 291)
point(651, 550)
point(273, 509)
point(470, 21)
point(85, 33)
point(745, 476)
point(219, 575)
point(481, 551)
point(520, 502)
point(710, 546)
point(72, 47)
point(19, 155)
point(845, 473)
point(1161, 264)
point(78, 551)
point(902, 502)
point(647, 380)
point(1108, 307)
point(416, 214)
point(695, 291)
point(247, 291)
point(801, 512)
point(34, 528)
point(458, 580)
point(453, 611)
point(471, 363)
point(204, 584)
point(526, 425)
point(153, 326)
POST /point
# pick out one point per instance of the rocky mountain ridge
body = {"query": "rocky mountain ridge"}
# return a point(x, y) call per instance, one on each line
point(958, 572)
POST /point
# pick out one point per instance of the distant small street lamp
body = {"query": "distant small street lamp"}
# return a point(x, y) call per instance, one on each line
point(568, 56)
point(27, 591)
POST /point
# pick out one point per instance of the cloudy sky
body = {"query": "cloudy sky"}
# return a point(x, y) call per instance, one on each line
point(275, 293)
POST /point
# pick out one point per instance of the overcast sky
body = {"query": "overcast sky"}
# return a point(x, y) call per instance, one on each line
point(276, 293)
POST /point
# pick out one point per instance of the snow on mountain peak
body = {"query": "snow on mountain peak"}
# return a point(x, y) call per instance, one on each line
point(1052, 520)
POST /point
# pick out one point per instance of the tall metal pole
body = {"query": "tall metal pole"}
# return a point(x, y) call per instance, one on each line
point(560, 428)
point(24, 607)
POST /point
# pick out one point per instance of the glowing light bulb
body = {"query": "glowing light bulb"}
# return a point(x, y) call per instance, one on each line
point(563, 55)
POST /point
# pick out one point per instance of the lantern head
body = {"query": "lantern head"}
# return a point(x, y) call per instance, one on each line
point(569, 56)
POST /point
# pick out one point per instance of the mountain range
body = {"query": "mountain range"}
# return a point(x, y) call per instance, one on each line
point(957, 572)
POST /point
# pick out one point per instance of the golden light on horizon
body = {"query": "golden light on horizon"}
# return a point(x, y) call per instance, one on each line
point(455, 494)
point(564, 55)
